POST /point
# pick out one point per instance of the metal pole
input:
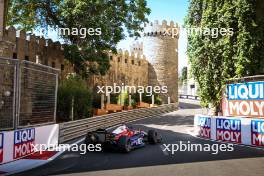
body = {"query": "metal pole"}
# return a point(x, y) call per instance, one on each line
point(129, 100)
point(140, 97)
point(17, 93)
point(152, 100)
point(108, 98)
point(72, 109)
point(102, 101)
point(56, 96)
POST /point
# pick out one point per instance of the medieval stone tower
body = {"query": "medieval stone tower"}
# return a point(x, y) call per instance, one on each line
point(160, 46)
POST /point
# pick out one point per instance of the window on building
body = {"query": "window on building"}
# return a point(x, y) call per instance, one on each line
point(139, 63)
point(62, 67)
point(111, 57)
point(125, 60)
point(192, 86)
point(132, 62)
point(53, 65)
point(118, 59)
point(26, 58)
point(14, 55)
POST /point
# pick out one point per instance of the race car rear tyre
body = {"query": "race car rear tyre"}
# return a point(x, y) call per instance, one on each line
point(91, 138)
point(124, 144)
point(152, 137)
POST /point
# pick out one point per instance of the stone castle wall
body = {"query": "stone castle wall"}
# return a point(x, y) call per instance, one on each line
point(159, 66)
point(160, 48)
point(128, 68)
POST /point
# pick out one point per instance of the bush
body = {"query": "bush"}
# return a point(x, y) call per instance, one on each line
point(146, 99)
point(73, 90)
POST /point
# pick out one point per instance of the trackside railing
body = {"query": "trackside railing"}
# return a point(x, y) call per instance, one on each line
point(74, 129)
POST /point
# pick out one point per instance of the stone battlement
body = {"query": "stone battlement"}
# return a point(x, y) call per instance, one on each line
point(163, 29)
point(34, 48)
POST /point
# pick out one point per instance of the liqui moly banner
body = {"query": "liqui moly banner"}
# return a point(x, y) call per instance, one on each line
point(24, 141)
point(244, 99)
point(1, 147)
point(228, 130)
point(240, 130)
point(257, 132)
point(203, 128)
point(20, 143)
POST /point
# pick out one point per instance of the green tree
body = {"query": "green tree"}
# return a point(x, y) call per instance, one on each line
point(112, 16)
point(214, 60)
point(73, 95)
point(184, 74)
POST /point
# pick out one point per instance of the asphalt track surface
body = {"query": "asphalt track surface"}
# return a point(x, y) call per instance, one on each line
point(152, 160)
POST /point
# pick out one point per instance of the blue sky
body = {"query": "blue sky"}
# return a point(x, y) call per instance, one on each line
point(170, 10)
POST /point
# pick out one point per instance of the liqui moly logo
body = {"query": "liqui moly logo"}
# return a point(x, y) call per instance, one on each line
point(228, 130)
point(257, 132)
point(1, 147)
point(245, 99)
point(204, 127)
point(24, 141)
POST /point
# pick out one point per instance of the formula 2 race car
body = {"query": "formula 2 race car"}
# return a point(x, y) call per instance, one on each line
point(122, 138)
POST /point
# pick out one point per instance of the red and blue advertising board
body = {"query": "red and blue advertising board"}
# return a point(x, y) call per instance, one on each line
point(204, 127)
point(244, 99)
point(24, 141)
point(1, 147)
point(228, 130)
point(257, 132)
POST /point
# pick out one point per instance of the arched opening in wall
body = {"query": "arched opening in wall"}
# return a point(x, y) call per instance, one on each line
point(53, 64)
point(14, 55)
point(62, 67)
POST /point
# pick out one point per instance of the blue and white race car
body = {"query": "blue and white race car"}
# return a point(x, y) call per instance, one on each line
point(122, 138)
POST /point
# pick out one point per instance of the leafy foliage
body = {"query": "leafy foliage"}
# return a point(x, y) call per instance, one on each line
point(215, 60)
point(112, 16)
point(73, 90)
point(184, 74)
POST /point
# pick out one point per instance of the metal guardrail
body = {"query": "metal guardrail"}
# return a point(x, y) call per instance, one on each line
point(74, 129)
point(28, 94)
point(193, 97)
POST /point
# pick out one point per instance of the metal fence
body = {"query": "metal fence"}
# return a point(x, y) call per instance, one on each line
point(28, 93)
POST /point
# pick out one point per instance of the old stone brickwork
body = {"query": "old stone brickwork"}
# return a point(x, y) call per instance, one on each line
point(160, 46)
point(128, 68)
point(33, 48)
point(151, 62)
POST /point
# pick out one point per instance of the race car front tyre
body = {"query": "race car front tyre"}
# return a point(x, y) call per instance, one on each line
point(153, 137)
point(124, 144)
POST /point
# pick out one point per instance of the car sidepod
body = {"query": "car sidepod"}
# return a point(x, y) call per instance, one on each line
point(137, 140)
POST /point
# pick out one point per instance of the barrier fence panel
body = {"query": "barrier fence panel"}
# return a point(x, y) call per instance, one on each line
point(28, 93)
point(7, 93)
point(38, 86)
